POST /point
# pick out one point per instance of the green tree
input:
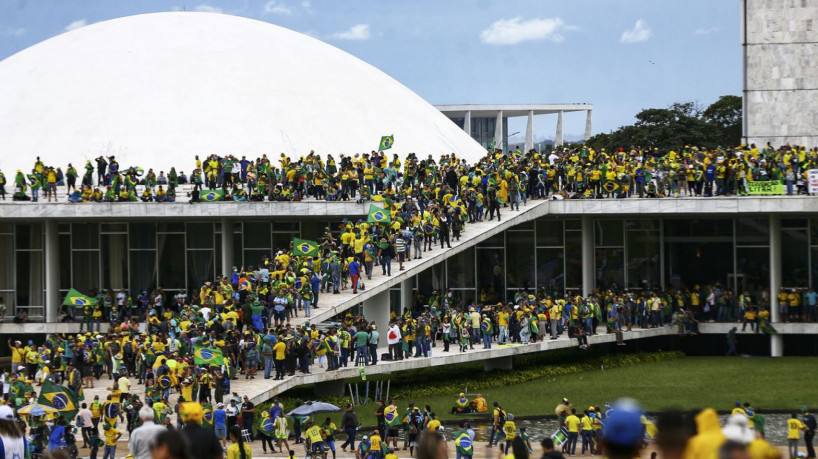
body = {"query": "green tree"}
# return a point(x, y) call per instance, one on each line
point(726, 114)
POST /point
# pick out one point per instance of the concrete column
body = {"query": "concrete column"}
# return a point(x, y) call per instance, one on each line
point(558, 137)
point(498, 363)
point(529, 132)
point(588, 131)
point(228, 257)
point(498, 131)
point(776, 340)
point(588, 268)
point(467, 123)
point(52, 271)
point(407, 295)
point(376, 309)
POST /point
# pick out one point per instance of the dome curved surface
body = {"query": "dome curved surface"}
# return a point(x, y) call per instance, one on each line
point(156, 89)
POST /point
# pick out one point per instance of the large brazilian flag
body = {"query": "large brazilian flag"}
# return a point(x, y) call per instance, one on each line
point(75, 298)
point(386, 142)
point(378, 215)
point(60, 398)
point(305, 248)
point(211, 195)
point(207, 356)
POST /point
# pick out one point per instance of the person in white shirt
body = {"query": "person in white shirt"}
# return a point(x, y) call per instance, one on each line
point(142, 437)
point(12, 438)
point(205, 313)
point(84, 415)
point(393, 339)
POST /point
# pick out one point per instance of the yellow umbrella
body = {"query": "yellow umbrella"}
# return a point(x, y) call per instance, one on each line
point(36, 409)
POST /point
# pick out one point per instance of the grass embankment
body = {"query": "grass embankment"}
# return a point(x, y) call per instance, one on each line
point(658, 381)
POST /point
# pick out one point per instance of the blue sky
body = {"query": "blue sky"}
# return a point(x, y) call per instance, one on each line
point(620, 55)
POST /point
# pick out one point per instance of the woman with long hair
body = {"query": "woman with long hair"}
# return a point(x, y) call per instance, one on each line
point(238, 449)
point(12, 438)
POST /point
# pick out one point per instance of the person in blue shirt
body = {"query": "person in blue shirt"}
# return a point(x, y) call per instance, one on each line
point(220, 423)
point(355, 274)
point(810, 300)
point(315, 283)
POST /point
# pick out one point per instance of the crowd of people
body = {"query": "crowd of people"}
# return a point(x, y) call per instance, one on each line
point(577, 172)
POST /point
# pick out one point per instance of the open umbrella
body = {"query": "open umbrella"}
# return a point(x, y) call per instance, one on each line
point(310, 408)
point(36, 409)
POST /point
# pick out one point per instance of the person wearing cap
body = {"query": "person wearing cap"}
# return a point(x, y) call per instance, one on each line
point(220, 424)
point(18, 354)
point(623, 435)
point(12, 438)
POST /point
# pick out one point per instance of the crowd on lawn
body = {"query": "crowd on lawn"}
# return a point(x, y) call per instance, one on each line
point(575, 172)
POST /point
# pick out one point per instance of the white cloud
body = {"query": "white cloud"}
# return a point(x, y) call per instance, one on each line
point(516, 30)
point(640, 32)
point(275, 7)
point(357, 32)
point(706, 31)
point(76, 25)
point(306, 4)
point(208, 9)
point(14, 31)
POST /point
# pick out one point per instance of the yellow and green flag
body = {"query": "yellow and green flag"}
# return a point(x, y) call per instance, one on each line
point(378, 215)
point(75, 298)
point(207, 356)
point(60, 398)
point(212, 195)
point(305, 248)
point(386, 142)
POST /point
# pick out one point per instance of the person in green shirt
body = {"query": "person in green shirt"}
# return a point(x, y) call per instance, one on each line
point(361, 339)
point(759, 422)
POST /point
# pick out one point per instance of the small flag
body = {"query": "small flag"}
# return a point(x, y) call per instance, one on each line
point(75, 298)
point(207, 356)
point(305, 248)
point(377, 215)
point(212, 195)
point(386, 142)
point(610, 186)
point(60, 398)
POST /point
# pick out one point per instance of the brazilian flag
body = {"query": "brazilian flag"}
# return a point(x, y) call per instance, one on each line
point(75, 298)
point(378, 215)
point(60, 398)
point(207, 416)
point(391, 416)
point(267, 426)
point(212, 195)
point(386, 142)
point(207, 356)
point(305, 248)
point(610, 186)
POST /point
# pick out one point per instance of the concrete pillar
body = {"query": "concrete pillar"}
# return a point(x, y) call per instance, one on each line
point(498, 363)
point(467, 123)
point(588, 259)
point(376, 309)
point(228, 257)
point(588, 131)
point(776, 340)
point(558, 136)
point(407, 295)
point(498, 131)
point(529, 132)
point(52, 271)
point(332, 388)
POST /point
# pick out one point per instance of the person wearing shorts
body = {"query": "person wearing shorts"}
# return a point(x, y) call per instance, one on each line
point(220, 423)
point(316, 439)
point(329, 429)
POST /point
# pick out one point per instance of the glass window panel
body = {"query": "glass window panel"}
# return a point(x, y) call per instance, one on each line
point(114, 227)
point(218, 255)
point(7, 262)
point(430, 279)
point(64, 228)
point(171, 227)
point(199, 268)
point(494, 241)
point(238, 259)
point(794, 258)
point(142, 236)
point(520, 269)
point(551, 270)
point(85, 270)
point(529, 225)
point(65, 260)
point(30, 278)
point(814, 230)
point(794, 223)
point(572, 225)
point(610, 233)
point(200, 235)
point(29, 236)
point(253, 257)
point(313, 231)
point(490, 275)
point(84, 236)
point(549, 233)
point(282, 241)
point(573, 260)
point(697, 228)
point(171, 253)
point(142, 270)
point(257, 235)
point(461, 269)
point(286, 226)
point(6, 228)
point(752, 270)
point(642, 224)
point(643, 259)
point(752, 231)
point(114, 261)
point(705, 262)
point(610, 268)
point(463, 297)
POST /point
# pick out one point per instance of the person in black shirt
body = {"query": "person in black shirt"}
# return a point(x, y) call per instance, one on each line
point(248, 415)
point(203, 441)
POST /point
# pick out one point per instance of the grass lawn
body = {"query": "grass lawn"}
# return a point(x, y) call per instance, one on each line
point(692, 382)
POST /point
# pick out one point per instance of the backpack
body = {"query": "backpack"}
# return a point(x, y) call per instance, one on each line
point(501, 417)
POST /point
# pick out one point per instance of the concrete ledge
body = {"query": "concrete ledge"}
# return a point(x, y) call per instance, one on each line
point(783, 328)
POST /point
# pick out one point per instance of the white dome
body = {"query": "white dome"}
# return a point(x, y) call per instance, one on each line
point(156, 89)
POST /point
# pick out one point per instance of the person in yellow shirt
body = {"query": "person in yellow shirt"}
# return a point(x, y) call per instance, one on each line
point(794, 428)
point(510, 429)
point(315, 438)
point(238, 449)
point(587, 426)
point(502, 324)
point(111, 437)
point(17, 355)
point(572, 423)
point(280, 354)
point(433, 423)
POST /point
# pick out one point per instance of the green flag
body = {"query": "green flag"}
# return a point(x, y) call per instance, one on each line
point(75, 298)
point(378, 215)
point(212, 195)
point(386, 142)
point(60, 398)
point(305, 248)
